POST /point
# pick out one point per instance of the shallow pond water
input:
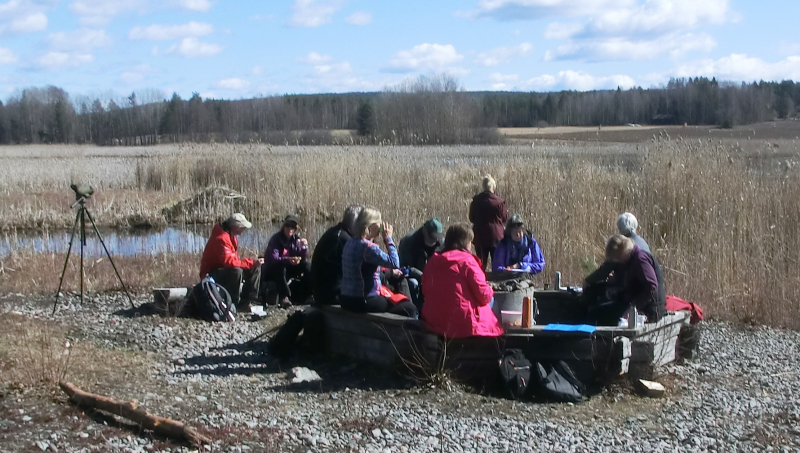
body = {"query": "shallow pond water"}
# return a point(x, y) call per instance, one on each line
point(175, 239)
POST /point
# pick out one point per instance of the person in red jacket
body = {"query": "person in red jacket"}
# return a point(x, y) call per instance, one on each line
point(488, 215)
point(221, 261)
point(458, 300)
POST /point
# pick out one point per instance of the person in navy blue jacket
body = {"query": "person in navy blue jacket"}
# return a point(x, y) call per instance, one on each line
point(518, 249)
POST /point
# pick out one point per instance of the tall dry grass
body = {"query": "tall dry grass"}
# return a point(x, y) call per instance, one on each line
point(721, 216)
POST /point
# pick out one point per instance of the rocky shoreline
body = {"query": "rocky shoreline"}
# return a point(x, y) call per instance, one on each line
point(741, 392)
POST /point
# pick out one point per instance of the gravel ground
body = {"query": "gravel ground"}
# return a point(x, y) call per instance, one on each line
point(740, 393)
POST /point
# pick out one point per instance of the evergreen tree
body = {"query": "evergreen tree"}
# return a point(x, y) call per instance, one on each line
point(365, 119)
point(5, 136)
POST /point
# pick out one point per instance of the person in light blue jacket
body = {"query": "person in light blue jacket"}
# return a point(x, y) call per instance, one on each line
point(518, 249)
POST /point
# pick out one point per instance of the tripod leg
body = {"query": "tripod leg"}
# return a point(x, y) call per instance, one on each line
point(130, 299)
point(66, 260)
point(81, 211)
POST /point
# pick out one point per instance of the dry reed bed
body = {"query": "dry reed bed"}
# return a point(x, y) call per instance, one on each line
point(720, 216)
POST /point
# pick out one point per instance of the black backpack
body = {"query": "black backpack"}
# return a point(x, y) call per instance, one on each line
point(515, 373)
point(556, 382)
point(283, 343)
point(212, 302)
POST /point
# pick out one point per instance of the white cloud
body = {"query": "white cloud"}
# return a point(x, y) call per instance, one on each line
point(538, 9)
point(327, 75)
point(503, 54)
point(502, 81)
point(167, 32)
point(577, 80)
point(99, 12)
point(314, 58)
point(7, 56)
point(658, 16)
point(137, 74)
point(131, 78)
point(359, 18)
point(561, 30)
point(60, 60)
point(194, 5)
point(603, 30)
point(620, 49)
point(257, 70)
point(27, 24)
point(741, 68)
point(19, 16)
point(313, 13)
point(234, 84)
point(425, 57)
point(78, 40)
point(192, 48)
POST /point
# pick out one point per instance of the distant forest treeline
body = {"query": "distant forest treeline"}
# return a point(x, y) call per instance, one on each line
point(426, 110)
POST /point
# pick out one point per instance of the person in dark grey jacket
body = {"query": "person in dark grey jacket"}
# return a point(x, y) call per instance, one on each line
point(608, 281)
point(415, 250)
point(326, 263)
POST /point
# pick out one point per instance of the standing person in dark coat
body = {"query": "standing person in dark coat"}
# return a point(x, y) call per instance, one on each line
point(326, 264)
point(488, 215)
point(415, 250)
point(286, 257)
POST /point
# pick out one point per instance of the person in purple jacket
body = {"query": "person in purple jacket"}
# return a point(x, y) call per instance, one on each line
point(640, 281)
point(286, 257)
point(518, 249)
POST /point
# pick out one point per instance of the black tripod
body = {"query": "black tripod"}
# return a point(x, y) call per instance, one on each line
point(80, 218)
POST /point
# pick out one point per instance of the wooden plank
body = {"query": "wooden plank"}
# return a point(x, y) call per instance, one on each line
point(368, 349)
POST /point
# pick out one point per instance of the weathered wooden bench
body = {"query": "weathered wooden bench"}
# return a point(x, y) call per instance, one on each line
point(405, 344)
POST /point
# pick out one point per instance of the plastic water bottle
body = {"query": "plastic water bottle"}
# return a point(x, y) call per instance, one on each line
point(557, 281)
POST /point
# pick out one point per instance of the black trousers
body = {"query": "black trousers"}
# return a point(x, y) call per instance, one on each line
point(281, 274)
point(231, 278)
point(484, 253)
point(378, 304)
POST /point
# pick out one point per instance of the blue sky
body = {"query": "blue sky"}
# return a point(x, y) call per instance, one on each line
point(242, 48)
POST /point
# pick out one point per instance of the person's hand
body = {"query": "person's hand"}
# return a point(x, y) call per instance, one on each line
point(294, 260)
point(397, 272)
point(387, 231)
point(260, 261)
point(304, 242)
point(513, 266)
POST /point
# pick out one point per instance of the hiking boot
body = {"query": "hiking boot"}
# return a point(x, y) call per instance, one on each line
point(285, 303)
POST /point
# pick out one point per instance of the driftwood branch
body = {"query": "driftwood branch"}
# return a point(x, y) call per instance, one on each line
point(160, 425)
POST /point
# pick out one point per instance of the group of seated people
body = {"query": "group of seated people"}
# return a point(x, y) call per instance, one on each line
point(431, 275)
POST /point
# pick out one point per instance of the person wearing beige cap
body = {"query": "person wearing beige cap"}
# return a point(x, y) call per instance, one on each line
point(221, 261)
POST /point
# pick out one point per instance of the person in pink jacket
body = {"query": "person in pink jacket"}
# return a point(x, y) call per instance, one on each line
point(458, 300)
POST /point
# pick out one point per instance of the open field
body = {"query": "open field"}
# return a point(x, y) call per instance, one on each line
point(777, 130)
point(721, 214)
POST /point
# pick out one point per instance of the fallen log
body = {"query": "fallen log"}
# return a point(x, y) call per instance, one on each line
point(160, 425)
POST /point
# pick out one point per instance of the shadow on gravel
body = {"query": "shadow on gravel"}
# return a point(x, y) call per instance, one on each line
point(111, 421)
point(148, 309)
point(251, 358)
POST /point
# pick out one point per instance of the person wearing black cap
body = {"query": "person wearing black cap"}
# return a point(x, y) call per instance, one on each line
point(286, 257)
point(416, 249)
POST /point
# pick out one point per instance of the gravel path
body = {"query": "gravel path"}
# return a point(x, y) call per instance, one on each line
point(740, 393)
